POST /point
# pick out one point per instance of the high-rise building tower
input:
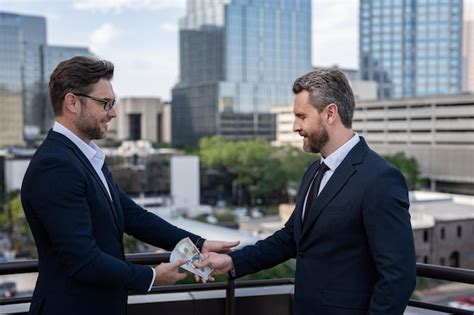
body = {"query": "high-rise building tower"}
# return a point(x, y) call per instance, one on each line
point(468, 43)
point(21, 37)
point(411, 47)
point(238, 58)
point(26, 62)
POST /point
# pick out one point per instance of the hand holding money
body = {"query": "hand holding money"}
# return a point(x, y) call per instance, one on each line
point(221, 263)
point(168, 273)
point(188, 253)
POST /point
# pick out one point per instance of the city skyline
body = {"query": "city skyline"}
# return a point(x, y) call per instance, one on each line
point(238, 60)
point(150, 67)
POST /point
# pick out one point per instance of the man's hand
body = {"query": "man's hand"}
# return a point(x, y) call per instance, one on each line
point(221, 263)
point(168, 273)
point(218, 246)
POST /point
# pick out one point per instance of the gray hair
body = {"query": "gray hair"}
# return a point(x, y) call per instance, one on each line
point(328, 86)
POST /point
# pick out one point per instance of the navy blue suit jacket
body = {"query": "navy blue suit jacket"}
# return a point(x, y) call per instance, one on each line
point(78, 232)
point(355, 253)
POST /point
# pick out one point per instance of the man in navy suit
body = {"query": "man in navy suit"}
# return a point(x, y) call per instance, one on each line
point(78, 214)
point(350, 231)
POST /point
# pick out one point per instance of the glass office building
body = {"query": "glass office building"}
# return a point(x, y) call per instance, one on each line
point(26, 62)
point(11, 105)
point(21, 42)
point(238, 58)
point(411, 48)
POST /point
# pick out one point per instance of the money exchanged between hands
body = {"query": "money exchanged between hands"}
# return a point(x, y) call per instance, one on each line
point(187, 250)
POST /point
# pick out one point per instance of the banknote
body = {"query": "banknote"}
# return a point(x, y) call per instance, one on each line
point(187, 250)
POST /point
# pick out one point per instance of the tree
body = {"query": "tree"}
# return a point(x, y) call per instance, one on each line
point(294, 162)
point(409, 168)
point(261, 171)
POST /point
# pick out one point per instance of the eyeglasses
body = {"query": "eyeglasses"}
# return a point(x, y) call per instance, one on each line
point(107, 102)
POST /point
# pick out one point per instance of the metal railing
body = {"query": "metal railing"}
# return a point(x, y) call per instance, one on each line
point(443, 273)
point(423, 270)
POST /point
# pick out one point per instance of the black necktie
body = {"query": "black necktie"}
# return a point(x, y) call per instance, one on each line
point(313, 191)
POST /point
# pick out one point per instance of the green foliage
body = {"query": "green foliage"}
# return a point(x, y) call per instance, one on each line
point(409, 168)
point(294, 162)
point(130, 244)
point(225, 217)
point(162, 145)
point(191, 150)
point(14, 221)
point(260, 169)
point(283, 270)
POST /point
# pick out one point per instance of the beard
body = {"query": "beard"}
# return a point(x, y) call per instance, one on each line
point(314, 142)
point(88, 126)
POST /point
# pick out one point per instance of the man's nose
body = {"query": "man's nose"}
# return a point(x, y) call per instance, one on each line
point(112, 112)
point(296, 126)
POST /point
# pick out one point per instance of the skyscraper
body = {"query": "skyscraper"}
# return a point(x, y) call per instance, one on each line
point(20, 39)
point(238, 58)
point(411, 47)
point(26, 61)
point(468, 43)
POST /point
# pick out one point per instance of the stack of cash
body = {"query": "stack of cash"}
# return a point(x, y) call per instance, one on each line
point(187, 250)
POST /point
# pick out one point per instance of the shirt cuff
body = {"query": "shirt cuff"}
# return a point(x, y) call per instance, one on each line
point(152, 279)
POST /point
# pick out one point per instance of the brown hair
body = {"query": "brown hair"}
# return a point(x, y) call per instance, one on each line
point(77, 74)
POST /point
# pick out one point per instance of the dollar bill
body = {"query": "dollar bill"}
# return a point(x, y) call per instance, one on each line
point(187, 250)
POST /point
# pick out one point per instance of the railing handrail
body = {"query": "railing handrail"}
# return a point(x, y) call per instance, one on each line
point(31, 265)
point(423, 270)
point(445, 273)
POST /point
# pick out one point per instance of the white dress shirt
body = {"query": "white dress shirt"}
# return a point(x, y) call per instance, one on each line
point(332, 162)
point(95, 156)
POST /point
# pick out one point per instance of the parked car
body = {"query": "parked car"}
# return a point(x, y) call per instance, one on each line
point(7, 289)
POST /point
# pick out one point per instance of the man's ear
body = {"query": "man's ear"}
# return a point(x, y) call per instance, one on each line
point(71, 103)
point(331, 113)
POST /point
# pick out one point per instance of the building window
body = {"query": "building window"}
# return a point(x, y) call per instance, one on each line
point(425, 236)
point(454, 259)
point(425, 259)
point(159, 124)
point(134, 126)
point(442, 261)
point(443, 233)
point(459, 231)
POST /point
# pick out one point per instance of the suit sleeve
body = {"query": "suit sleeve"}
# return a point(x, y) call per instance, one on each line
point(273, 250)
point(390, 237)
point(56, 191)
point(267, 253)
point(150, 228)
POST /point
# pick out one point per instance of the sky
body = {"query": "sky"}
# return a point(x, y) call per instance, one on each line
point(141, 36)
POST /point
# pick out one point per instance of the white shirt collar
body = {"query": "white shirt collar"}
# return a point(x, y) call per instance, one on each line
point(90, 149)
point(336, 158)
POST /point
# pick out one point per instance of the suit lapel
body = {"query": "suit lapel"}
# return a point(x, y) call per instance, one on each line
point(337, 181)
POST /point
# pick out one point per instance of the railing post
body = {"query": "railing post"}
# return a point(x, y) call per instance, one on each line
point(230, 297)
